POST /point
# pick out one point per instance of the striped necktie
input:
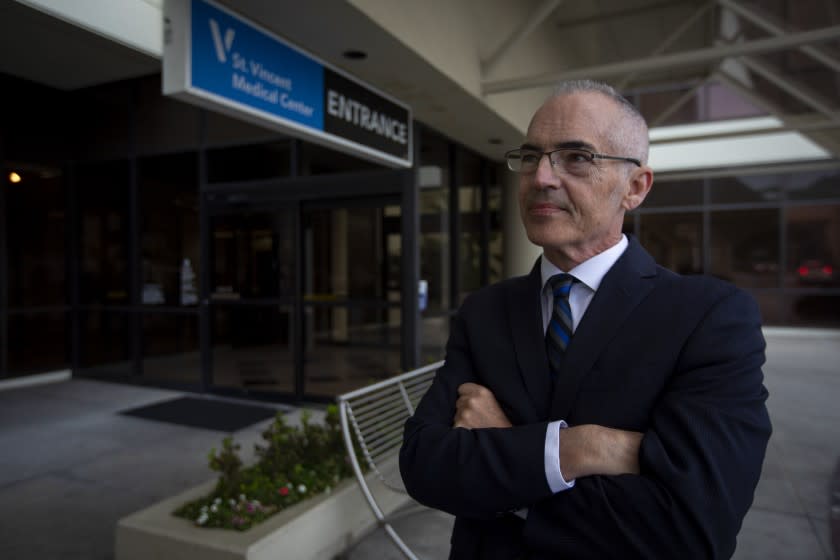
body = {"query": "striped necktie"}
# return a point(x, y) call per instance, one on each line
point(559, 332)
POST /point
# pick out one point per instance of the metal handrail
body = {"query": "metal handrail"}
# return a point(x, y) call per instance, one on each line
point(368, 395)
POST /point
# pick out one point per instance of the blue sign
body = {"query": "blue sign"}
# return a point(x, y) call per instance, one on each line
point(217, 59)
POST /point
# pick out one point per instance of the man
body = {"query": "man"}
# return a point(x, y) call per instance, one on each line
point(657, 376)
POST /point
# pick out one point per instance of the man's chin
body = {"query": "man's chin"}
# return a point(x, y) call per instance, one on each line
point(548, 238)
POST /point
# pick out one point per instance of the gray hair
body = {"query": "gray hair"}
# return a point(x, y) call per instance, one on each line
point(632, 138)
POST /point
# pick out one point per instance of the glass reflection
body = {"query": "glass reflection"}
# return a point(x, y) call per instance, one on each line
point(674, 240)
point(813, 243)
point(745, 247)
point(252, 347)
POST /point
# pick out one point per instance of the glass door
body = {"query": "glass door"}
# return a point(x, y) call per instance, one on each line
point(252, 294)
point(351, 254)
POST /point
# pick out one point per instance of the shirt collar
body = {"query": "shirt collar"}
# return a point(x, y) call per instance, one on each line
point(590, 272)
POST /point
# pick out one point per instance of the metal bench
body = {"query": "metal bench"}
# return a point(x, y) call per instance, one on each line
point(375, 416)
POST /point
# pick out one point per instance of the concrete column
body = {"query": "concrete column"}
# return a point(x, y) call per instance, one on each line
point(519, 252)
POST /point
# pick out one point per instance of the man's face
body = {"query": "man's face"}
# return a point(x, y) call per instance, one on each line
point(574, 217)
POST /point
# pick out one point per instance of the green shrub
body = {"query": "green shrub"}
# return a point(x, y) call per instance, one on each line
point(294, 464)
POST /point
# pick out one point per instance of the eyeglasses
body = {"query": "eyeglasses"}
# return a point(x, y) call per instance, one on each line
point(575, 161)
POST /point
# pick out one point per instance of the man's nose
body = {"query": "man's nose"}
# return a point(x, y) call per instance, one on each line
point(544, 175)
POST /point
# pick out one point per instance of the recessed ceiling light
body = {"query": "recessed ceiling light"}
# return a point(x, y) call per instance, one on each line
point(354, 54)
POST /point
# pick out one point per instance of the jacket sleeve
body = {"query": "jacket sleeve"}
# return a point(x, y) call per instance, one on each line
point(476, 473)
point(700, 458)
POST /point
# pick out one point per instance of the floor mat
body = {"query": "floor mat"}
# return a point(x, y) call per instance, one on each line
point(211, 414)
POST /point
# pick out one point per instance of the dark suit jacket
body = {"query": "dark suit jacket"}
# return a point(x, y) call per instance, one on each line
point(677, 358)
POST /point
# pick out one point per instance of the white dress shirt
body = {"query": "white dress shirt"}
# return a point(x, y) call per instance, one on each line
point(590, 273)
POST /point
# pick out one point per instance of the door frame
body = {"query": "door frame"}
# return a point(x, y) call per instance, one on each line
point(321, 191)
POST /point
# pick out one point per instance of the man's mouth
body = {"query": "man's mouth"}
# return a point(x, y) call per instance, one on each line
point(545, 209)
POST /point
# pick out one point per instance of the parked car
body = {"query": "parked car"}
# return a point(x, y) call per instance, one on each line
point(815, 271)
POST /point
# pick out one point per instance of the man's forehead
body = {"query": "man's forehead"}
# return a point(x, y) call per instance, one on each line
point(581, 117)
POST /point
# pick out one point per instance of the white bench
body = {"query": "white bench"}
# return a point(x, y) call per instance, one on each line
point(375, 416)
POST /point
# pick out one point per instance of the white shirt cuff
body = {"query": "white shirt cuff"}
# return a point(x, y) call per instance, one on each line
point(553, 474)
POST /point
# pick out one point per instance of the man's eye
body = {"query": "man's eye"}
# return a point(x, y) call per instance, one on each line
point(530, 158)
point(575, 157)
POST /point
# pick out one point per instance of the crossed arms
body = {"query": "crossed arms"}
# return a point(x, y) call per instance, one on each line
point(585, 450)
point(679, 489)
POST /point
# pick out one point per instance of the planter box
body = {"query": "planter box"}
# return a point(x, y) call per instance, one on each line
point(319, 528)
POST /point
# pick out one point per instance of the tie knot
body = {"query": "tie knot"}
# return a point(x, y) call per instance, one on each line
point(561, 284)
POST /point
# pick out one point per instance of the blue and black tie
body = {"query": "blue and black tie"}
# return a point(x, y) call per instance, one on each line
point(559, 332)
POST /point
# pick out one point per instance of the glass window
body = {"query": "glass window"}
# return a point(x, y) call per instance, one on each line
point(752, 188)
point(252, 347)
point(347, 347)
point(433, 179)
point(745, 247)
point(813, 245)
point(470, 223)
point(169, 242)
point(103, 207)
point(248, 163)
point(495, 247)
point(674, 193)
point(104, 349)
point(36, 223)
point(346, 249)
point(812, 184)
point(674, 240)
point(170, 348)
point(252, 256)
point(38, 342)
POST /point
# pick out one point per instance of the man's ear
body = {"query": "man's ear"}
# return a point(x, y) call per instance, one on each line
point(641, 180)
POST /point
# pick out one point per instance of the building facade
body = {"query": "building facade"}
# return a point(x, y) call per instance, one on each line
point(149, 240)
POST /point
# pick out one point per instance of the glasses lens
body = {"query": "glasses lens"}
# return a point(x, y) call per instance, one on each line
point(575, 162)
point(514, 160)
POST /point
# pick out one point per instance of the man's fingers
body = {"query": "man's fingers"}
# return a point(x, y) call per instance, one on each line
point(469, 389)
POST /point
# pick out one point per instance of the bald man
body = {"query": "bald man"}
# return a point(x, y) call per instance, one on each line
point(601, 406)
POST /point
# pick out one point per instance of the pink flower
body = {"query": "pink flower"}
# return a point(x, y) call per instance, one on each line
point(283, 491)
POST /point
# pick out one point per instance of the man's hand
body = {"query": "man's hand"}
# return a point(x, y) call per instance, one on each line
point(590, 449)
point(477, 407)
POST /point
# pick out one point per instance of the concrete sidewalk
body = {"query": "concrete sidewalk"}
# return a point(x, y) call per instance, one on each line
point(70, 467)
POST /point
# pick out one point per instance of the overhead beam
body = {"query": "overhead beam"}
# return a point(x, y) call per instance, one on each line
point(669, 40)
point(763, 169)
point(811, 127)
point(794, 89)
point(534, 21)
point(773, 28)
point(668, 61)
point(794, 121)
point(747, 92)
point(675, 106)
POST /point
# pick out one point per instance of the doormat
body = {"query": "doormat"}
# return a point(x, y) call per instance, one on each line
point(210, 414)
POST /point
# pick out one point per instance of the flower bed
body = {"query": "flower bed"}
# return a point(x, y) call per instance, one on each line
point(292, 504)
point(295, 464)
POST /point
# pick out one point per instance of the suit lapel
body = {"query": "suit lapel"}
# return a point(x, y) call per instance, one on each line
point(524, 310)
point(626, 284)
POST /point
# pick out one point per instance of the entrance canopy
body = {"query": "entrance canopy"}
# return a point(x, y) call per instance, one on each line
point(476, 69)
